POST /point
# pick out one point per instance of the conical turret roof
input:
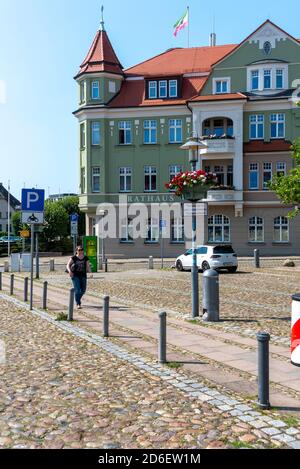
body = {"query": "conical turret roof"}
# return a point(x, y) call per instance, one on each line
point(101, 57)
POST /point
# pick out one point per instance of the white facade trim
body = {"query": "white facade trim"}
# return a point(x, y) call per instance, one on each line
point(131, 113)
point(114, 76)
point(196, 74)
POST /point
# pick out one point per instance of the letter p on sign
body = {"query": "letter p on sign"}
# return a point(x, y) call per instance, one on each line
point(33, 200)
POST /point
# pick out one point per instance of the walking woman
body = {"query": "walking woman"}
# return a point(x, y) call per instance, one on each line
point(78, 266)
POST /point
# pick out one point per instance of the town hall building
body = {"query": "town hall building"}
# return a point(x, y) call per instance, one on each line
point(240, 99)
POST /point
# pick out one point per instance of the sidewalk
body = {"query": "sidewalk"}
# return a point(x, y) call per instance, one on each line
point(218, 356)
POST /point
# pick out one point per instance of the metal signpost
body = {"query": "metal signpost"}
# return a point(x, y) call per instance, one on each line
point(32, 214)
point(74, 229)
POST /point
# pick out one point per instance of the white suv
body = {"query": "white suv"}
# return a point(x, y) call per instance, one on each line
point(209, 257)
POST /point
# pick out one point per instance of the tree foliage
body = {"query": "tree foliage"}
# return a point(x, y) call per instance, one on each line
point(288, 187)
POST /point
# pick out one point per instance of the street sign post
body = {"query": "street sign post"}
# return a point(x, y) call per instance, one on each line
point(74, 228)
point(33, 202)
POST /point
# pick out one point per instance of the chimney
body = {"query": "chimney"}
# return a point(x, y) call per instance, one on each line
point(212, 39)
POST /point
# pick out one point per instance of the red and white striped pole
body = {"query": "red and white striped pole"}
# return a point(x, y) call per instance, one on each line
point(295, 330)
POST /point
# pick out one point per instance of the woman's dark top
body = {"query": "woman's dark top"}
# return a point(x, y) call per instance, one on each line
point(79, 266)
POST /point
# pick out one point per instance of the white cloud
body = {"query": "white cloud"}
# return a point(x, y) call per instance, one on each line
point(2, 92)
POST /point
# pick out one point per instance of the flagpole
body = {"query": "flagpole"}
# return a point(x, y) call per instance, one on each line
point(188, 10)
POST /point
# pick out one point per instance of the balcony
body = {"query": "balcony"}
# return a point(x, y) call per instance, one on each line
point(219, 145)
point(224, 195)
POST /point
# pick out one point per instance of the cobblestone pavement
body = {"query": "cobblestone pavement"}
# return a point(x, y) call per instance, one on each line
point(64, 388)
point(250, 300)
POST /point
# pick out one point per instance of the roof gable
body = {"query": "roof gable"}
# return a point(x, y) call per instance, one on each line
point(266, 32)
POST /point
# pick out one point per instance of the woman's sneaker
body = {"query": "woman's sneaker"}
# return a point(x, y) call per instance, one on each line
point(79, 307)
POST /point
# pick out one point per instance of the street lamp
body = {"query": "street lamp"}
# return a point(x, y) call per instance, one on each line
point(193, 145)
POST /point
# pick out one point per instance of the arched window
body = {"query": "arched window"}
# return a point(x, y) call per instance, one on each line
point(218, 229)
point(256, 229)
point(281, 230)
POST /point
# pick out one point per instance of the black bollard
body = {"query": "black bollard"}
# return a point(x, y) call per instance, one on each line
point(263, 339)
point(26, 289)
point(106, 316)
point(45, 287)
point(162, 341)
point(256, 259)
point(12, 278)
point(71, 304)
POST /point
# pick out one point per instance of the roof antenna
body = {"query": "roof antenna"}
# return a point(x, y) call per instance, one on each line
point(213, 36)
point(102, 19)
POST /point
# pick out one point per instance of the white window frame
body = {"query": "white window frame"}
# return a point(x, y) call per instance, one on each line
point(256, 120)
point(275, 119)
point(165, 86)
point(175, 124)
point(253, 168)
point(82, 91)
point(151, 172)
point(82, 135)
point(177, 230)
point(217, 221)
point(258, 224)
point(268, 73)
point(281, 224)
point(251, 80)
point(152, 85)
point(152, 229)
point(174, 169)
point(96, 177)
point(82, 180)
point(150, 126)
point(126, 127)
point(126, 234)
point(171, 85)
point(280, 169)
point(124, 173)
point(222, 80)
point(282, 77)
point(95, 85)
point(273, 67)
point(95, 128)
point(267, 169)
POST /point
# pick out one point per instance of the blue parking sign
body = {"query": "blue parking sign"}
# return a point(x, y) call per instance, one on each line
point(74, 217)
point(33, 200)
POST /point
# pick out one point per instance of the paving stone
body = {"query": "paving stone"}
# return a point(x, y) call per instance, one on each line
point(271, 431)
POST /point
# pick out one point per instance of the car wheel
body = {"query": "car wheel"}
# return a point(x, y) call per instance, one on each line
point(179, 266)
point(232, 270)
point(205, 266)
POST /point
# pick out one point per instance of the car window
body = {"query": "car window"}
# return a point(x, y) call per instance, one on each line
point(202, 250)
point(188, 252)
point(223, 250)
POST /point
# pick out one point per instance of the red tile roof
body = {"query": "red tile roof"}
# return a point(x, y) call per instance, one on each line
point(219, 97)
point(133, 93)
point(180, 61)
point(101, 57)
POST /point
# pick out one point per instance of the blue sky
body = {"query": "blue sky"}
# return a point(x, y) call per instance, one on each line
point(43, 43)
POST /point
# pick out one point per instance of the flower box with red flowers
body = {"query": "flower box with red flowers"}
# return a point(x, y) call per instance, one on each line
point(192, 185)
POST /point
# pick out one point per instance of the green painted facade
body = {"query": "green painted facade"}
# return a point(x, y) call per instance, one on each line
point(109, 156)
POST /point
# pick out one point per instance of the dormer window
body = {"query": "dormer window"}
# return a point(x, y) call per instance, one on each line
point(152, 89)
point(267, 76)
point(162, 89)
point(254, 79)
point(267, 79)
point(173, 88)
point(279, 78)
point(221, 85)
